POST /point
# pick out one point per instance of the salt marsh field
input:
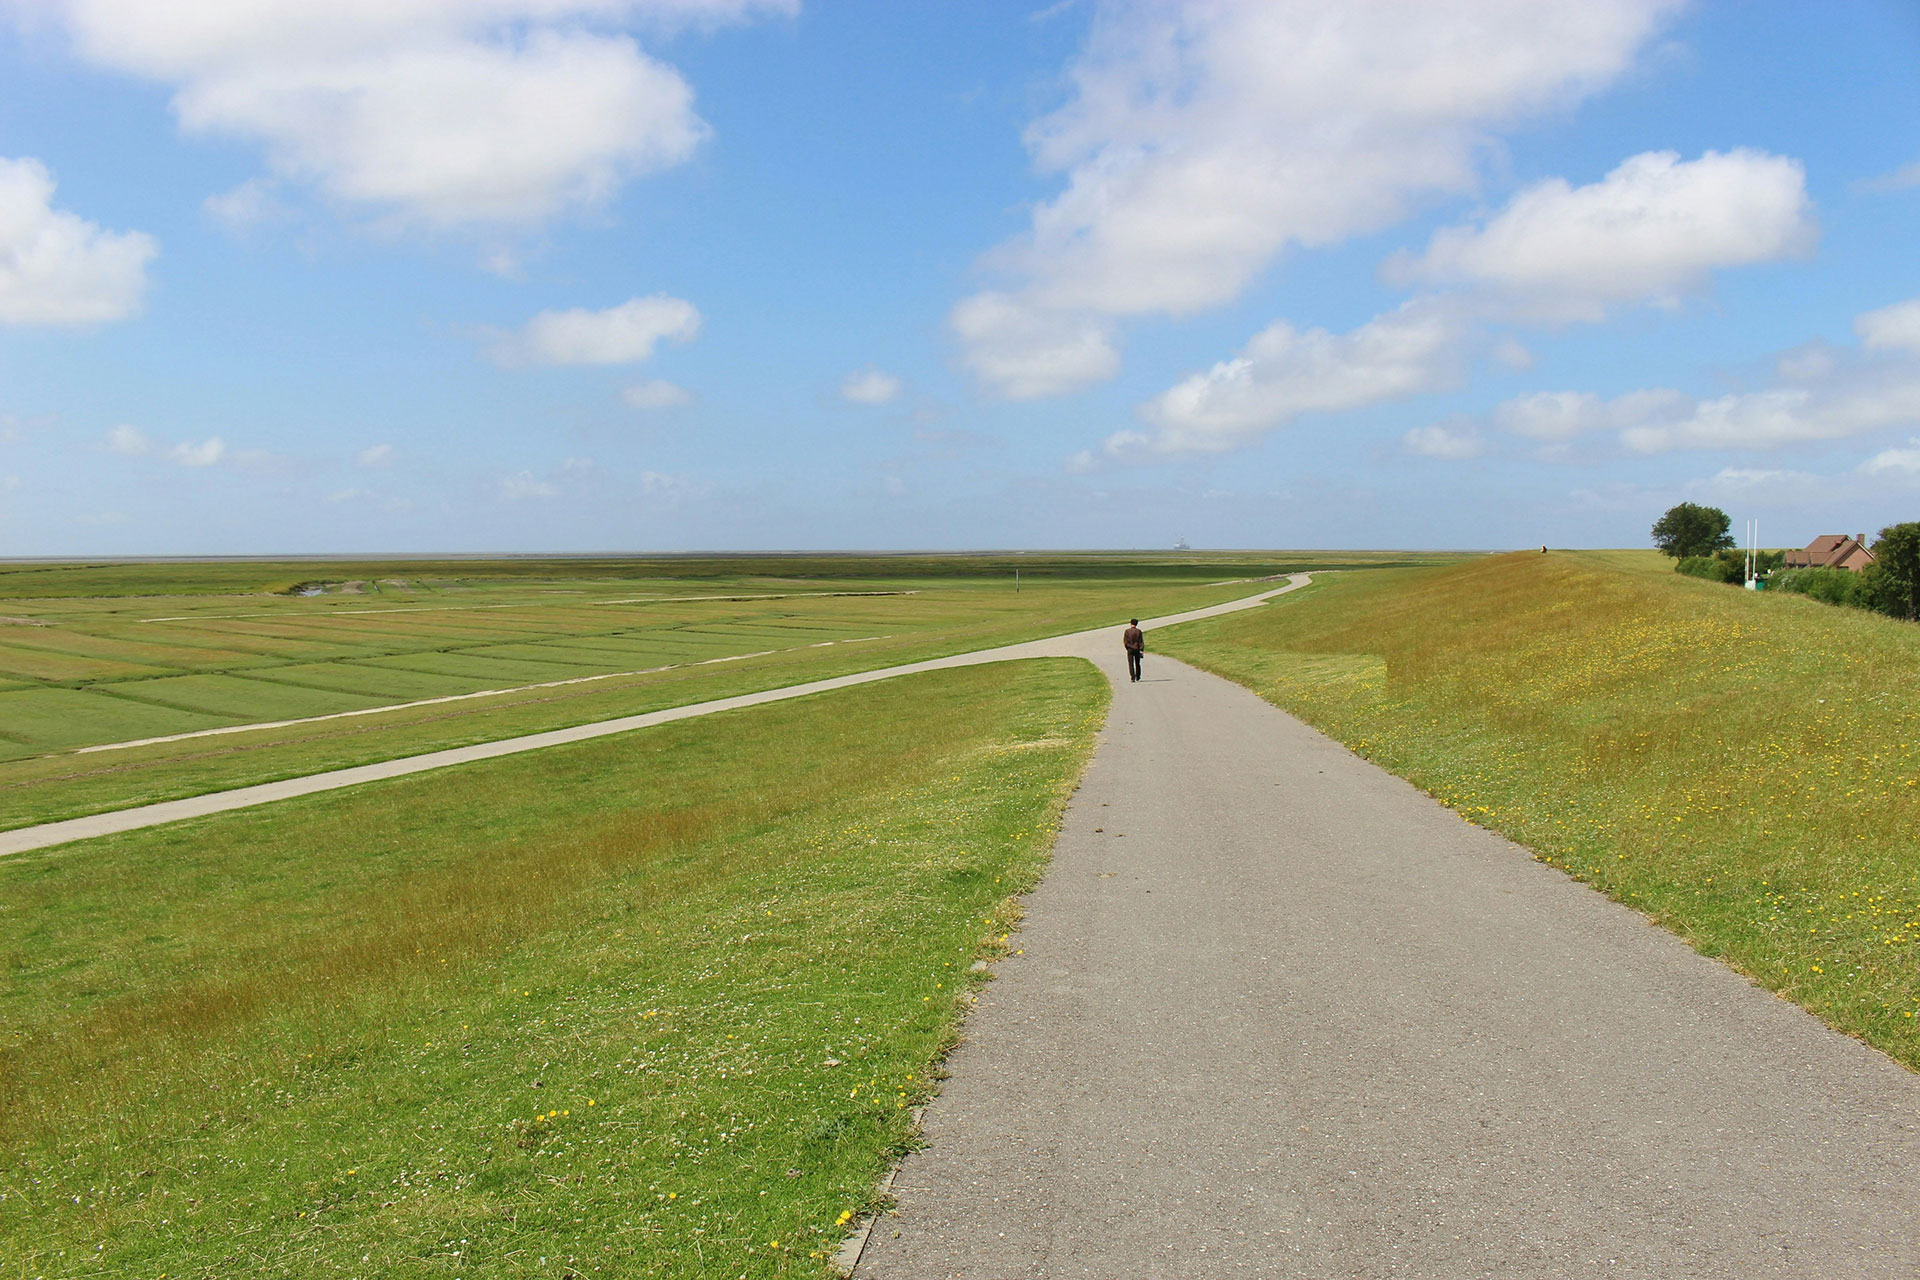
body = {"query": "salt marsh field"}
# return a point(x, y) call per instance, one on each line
point(253, 671)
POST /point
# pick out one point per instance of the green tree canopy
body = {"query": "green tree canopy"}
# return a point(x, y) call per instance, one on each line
point(1692, 530)
point(1897, 550)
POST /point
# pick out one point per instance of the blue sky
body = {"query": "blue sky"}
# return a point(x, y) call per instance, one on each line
point(568, 275)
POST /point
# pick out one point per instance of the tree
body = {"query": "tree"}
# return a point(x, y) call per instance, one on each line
point(1897, 552)
point(1692, 530)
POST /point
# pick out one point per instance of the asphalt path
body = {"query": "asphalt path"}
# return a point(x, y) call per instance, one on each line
point(1277, 1013)
point(44, 835)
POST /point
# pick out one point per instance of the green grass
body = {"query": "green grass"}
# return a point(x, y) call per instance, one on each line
point(652, 1005)
point(52, 719)
point(243, 700)
point(1743, 767)
point(545, 633)
point(21, 580)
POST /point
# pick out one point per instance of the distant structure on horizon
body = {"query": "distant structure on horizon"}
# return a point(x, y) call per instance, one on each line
point(1180, 544)
point(1833, 551)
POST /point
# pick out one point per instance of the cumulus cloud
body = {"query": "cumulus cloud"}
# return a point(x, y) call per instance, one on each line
point(1555, 417)
point(1662, 421)
point(245, 206)
point(656, 393)
point(1283, 373)
point(1202, 140)
point(626, 334)
point(869, 386)
point(1452, 443)
point(1650, 231)
point(436, 112)
point(204, 454)
point(128, 441)
point(131, 442)
point(56, 268)
point(377, 455)
point(1769, 486)
point(1820, 394)
point(1901, 178)
point(1897, 463)
point(1025, 352)
point(1894, 328)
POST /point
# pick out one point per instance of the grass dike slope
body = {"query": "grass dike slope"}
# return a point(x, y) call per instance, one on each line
point(658, 1004)
point(1743, 768)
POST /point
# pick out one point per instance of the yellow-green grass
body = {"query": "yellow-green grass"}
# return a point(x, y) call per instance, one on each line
point(44, 781)
point(653, 1005)
point(1744, 768)
point(382, 581)
point(501, 638)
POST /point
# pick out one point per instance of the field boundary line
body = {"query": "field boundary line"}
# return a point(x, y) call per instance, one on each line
point(1076, 644)
point(430, 702)
point(475, 608)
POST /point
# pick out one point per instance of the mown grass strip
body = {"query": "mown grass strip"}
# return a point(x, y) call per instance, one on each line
point(1743, 768)
point(54, 787)
point(657, 1005)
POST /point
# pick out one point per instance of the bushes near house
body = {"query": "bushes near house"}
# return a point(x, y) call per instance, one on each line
point(1834, 586)
point(1729, 566)
point(1889, 585)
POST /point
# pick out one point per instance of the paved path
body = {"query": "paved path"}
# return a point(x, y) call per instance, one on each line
point(1280, 1014)
point(21, 839)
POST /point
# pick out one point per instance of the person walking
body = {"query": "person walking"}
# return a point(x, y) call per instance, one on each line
point(1136, 642)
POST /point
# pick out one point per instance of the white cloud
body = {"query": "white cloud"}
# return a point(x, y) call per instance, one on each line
point(1554, 417)
point(131, 442)
point(522, 485)
point(1201, 140)
point(1024, 353)
point(1779, 416)
point(204, 454)
point(1894, 328)
point(577, 466)
point(1901, 178)
point(1898, 464)
point(869, 386)
point(1661, 421)
point(1283, 373)
point(1859, 400)
point(1756, 485)
point(1809, 362)
point(1454, 444)
point(626, 334)
point(436, 112)
point(1514, 354)
point(1821, 393)
point(128, 441)
point(377, 455)
point(56, 268)
point(1651, 231)
point(245, 206)
point(656, 393)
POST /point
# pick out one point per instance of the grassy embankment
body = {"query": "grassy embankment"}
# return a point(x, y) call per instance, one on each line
point(79, 670)
point(1744, 768)
point(651, 1005)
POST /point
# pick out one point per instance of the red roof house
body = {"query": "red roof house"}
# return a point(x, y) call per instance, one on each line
point(1833, 551)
